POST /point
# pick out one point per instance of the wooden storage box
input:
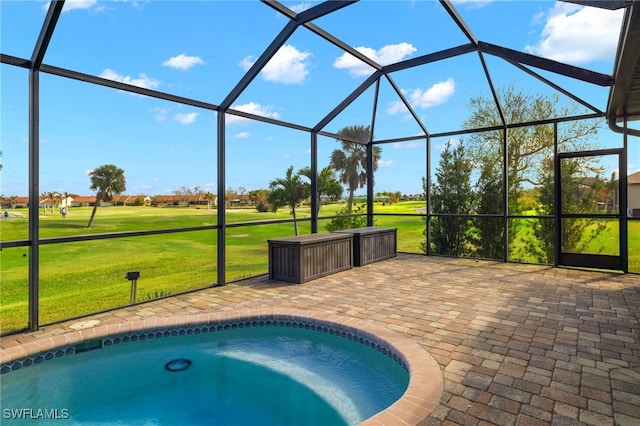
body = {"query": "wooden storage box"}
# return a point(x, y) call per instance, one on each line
point(372, 244)
point(306, 257)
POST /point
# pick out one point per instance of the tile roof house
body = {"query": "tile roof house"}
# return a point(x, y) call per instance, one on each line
point(633, 193)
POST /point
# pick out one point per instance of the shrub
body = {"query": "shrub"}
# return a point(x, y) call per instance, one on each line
point(346, 220)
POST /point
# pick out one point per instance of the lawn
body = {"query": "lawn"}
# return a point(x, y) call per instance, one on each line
point(82, 277)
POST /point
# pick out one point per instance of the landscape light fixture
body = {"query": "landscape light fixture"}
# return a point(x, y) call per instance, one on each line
point(133, 277)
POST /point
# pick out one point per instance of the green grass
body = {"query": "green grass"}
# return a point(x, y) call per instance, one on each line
point(83, 277)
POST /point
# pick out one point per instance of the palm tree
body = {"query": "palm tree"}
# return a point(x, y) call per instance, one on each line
point(210, 199)
point(42, 199)
point(51, 195)
point(326, 184)
point(288, 191)
point(351, 161)
point(108, 180)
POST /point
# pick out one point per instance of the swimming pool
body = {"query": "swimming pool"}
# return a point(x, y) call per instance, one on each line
point(238, 369)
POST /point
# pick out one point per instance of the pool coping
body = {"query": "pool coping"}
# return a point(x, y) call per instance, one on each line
point(422, 396)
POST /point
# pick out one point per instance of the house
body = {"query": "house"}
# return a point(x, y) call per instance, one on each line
point(169, 200)
point(130, 200)
point(14, 202)
point(633, 194)
point(83, 201)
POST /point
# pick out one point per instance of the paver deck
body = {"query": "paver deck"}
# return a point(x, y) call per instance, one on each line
point(517, 344)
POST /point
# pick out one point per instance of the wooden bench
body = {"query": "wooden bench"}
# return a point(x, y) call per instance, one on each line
point(372, 244)
point(306, 257)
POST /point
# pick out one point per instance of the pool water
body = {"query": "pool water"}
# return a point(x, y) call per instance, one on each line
point(267, 375)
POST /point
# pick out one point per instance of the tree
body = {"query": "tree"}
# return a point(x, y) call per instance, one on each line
point(490, 230)
point(326, 184)
point(576, 233)
point(451, 194)
point(107, 180)
point(529, 147)
point(260, 198)
point(394, 197)
point(210, 199)
point(351, 160)
point(230, 194)
point(288, 191)
point(65, 199)
point(346, 219)
point(53, 196)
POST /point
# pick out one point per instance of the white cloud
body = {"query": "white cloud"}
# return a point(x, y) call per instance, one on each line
point(78, 4)
point(287, 66)
point(251, 108)
point(242, 135)
point(70, 5)
point(472, 4)
point(388, 54)
point(142, 80)
point(437, 94)
point(247, 62)
point(183, 62)
point(301, 7)
point(396, 107)
point(161, 113)
point(408, 145)
point(577, 34)
point(453, 141)
point(383, 163)
point(185, 118)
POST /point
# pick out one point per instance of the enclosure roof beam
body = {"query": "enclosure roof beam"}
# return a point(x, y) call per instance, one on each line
point(555, 86)
point(75, 75)
point(48, 26)
point(448, 6)
point(431, 57)
point(342, 45)
point(322, 9)
point(347, 101)
point(492, 88)
point(624, 95)
point(259, 64)
point(547, 64)
point(280, 8)
point(13, 60)
point(407, 104)
point(300, 19)
point(608, 4)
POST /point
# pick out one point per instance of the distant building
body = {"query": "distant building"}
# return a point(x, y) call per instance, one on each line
point(633, 194)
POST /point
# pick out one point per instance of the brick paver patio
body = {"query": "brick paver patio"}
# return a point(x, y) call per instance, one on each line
point(517, 344)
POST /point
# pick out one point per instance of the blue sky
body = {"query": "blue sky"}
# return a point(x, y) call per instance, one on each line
point(201, 49)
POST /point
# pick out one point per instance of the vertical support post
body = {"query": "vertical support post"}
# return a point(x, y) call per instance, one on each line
point(427, 196)
point(623, 200)
point(505, 194)
point(314, 182)
point(370, 163)
point(222, 224)
point(557, 198)
point(46, 32)
point(34, 198)
point(370, 184)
